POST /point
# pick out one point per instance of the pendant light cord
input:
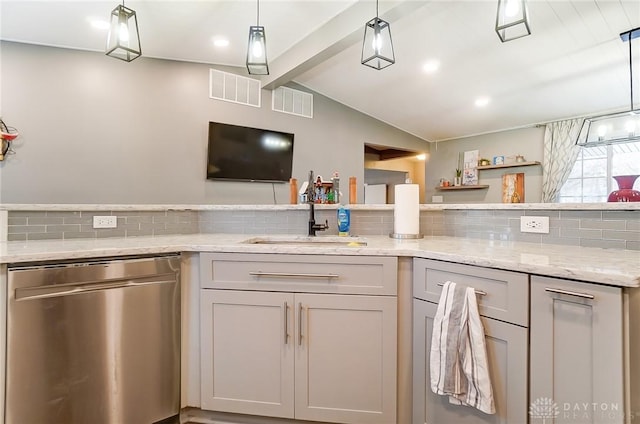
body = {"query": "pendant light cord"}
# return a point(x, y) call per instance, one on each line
point(377, 14)
point(257, 12)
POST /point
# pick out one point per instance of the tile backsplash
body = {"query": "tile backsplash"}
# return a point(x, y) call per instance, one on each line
point(42, 225)
point(591, 228)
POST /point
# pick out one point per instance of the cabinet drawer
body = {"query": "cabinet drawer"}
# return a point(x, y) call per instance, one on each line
point(305, 273)
point(502, 295)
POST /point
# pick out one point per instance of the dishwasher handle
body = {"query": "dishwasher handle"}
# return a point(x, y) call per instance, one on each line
point(44, 292)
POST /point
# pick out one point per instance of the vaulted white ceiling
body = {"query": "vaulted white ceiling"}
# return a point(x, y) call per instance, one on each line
point(573, 64)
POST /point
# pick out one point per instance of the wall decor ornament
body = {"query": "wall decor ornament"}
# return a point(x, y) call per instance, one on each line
point(470, 166)
point(7, 135)
point(513, 188)
point(625, 192)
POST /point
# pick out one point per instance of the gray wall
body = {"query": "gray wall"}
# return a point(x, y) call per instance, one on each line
point(443, 161)
point(98, 130)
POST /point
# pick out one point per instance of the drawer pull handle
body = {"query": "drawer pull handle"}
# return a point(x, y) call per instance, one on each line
point(478, 292)
point(286, 323)
point(570, 293)
point(291, 275)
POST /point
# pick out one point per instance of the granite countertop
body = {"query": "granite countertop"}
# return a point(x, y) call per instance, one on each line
point(607, 266)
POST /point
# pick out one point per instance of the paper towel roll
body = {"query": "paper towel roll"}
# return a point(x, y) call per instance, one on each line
point(406, 213)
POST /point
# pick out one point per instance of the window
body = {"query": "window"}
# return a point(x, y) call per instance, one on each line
point(591, 177)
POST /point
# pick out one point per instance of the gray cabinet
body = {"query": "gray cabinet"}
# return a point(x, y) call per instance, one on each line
point(501, 294)
point(299, 336)
point(247, 352)
point(507, 355)
point(577, 344)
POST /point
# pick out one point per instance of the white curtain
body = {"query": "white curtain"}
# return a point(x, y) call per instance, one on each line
point(560, 153)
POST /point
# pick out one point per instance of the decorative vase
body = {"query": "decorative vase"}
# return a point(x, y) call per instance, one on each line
point(625, 192)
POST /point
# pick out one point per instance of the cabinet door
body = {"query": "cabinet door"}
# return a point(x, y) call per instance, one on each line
point(576, 352)
point(346, 358)
point(507, 357)
point(247, 356)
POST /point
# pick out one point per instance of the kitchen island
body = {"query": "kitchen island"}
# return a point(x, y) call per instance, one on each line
point(538, 266)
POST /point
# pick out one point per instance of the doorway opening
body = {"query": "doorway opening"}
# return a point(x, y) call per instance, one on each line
point(386, 166)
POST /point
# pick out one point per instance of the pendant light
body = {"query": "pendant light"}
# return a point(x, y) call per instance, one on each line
point(123, 41)
point(257, 49)
point(618, 127)
point(512, 20)
point(377, 48)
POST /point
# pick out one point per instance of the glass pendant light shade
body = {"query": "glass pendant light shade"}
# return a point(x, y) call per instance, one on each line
point(123, 41)
point(257, 48)
point(620, 127)
point(377, 48)
point(512, 20)
point(257, 52)
point(609, 129)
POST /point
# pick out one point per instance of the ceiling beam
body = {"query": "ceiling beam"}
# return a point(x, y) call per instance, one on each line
point(386, 153)
point(337, 34)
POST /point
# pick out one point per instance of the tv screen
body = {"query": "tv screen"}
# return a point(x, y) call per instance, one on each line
point(248, 154)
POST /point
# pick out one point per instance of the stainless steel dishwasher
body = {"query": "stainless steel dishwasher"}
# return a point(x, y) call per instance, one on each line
point(94, 342)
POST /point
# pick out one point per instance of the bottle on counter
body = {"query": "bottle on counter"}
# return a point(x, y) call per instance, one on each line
point(344, 220)
point(335, 187)
point(319, 194)
point(330, 196)
point(293, 191)
point(353, 195)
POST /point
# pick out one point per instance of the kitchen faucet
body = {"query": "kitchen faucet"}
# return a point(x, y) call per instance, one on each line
point(311, 198)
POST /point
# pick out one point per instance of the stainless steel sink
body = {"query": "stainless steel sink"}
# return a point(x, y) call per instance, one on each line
point(308, 241)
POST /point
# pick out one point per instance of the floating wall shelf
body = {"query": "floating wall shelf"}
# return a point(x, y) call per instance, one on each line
point(463, 187)
point(480, 168)
point(509, 165)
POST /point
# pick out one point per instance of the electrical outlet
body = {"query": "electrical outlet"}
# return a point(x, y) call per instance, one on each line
point(105, 222)
point(534, 224)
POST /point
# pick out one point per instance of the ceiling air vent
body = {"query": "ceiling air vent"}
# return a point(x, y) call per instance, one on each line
point(292, 101)
point(234, 88)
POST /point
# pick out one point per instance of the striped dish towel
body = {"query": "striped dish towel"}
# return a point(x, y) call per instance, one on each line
point(458, 361)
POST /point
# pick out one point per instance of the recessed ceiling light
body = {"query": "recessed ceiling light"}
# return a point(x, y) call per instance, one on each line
point(98, 23)
point(482, 101)
point(220, 42)
point(431, 66)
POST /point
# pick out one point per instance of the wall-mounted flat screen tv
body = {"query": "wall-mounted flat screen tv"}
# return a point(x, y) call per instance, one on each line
point(248, 154)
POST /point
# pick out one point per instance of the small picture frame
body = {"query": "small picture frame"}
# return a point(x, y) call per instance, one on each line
point(513, 188)
point(498, 160)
